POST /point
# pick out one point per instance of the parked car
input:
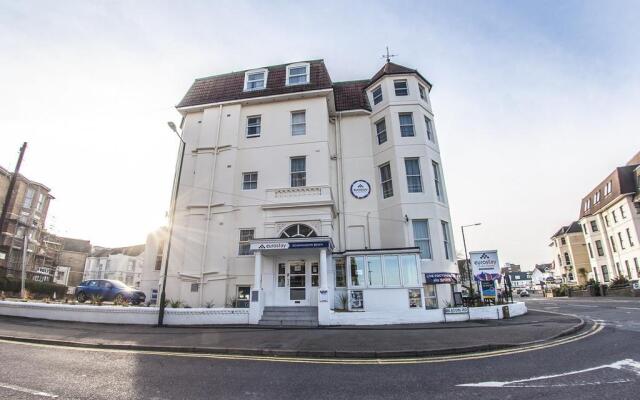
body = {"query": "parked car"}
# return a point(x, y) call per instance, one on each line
point(524, 293)
point(108, 290)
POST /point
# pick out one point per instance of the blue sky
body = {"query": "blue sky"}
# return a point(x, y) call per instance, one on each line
point(535, 102)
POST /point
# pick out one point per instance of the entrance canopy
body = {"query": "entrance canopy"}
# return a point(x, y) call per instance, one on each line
point(269, 245)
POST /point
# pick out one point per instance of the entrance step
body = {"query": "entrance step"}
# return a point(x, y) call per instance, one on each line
point(290, 316)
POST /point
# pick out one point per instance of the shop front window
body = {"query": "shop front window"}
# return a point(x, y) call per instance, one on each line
point(391, 271)
point(430, 297)
point(357, 271)
point(374, 267)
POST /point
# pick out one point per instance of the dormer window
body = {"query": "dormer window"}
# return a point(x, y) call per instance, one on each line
point(297, 74)
point(255, 80)
point(423, 92)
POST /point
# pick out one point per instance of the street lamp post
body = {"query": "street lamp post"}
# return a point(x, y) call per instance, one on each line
point(466, 258)
point(174, 200)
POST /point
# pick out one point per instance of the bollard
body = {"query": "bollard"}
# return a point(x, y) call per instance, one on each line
point(505, 312)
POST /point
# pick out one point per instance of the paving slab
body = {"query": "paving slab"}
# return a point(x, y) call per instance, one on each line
point(351, 341)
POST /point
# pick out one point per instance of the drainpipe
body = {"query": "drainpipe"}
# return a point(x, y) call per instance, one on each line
point(203, 258)
point(368, 231)
point(343, 229)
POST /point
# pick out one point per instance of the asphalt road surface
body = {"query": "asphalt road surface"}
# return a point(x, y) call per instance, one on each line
point(603, 365)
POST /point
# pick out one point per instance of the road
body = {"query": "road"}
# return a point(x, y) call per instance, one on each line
point(602, 365)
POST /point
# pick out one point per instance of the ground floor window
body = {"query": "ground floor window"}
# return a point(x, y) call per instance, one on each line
point(430, 297)
point(242, 298)
point(341, 273)
point(605, 273)
point(314, 274)
point(415, 299)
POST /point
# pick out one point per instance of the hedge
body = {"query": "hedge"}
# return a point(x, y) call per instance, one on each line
point(38, 289)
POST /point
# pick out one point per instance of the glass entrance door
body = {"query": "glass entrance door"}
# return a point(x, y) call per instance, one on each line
point(297, 282)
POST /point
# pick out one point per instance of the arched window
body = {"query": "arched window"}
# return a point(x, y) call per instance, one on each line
point(298, 231)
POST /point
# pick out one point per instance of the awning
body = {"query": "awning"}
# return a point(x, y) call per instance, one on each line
point(440, 277)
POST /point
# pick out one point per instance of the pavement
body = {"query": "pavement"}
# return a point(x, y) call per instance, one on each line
point(599, 365)
point(344, 342)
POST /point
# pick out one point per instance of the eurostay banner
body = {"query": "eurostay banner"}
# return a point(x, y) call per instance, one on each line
point(485, 265)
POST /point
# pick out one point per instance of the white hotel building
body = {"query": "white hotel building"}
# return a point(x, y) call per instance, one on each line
point(297, 191)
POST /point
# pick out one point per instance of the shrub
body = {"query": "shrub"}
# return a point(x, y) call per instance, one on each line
point(95, 300)
point(619, 281)
point(37, 289)
point(175, 303)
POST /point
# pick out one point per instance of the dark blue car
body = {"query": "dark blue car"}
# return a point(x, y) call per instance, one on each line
point(108, 290)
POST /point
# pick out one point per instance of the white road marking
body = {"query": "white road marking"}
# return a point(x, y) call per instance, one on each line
point(629, 308)
point(584, 305)
point(549, 308)
point(628, 365)
point(27, 390)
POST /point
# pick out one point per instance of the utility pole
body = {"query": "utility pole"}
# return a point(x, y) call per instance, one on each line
point(12, 183)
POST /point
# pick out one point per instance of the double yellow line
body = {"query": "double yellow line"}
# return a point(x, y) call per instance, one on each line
point(594, 329)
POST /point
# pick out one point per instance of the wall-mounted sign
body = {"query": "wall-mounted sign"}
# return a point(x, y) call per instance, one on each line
point(485, 265)
point(356, 300)
point(283, 245)
point(360, 189)
point(440, 277)
point(456, 310)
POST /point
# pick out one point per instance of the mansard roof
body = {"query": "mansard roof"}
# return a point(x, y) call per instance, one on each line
point(351, 95)
point(227, 87)
point(348, 95)
point(395, 69)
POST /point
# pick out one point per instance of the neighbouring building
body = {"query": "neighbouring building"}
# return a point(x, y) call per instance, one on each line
point(542, 275)
point(571, 260)
point(610, 221)
point(520, 280)
point(71, 259)
point(298, 191)
point(26, 216)
point(152, 265)
point(509, 267)
point(123, 264)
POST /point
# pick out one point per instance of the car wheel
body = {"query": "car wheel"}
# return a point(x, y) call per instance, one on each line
point(81, 297)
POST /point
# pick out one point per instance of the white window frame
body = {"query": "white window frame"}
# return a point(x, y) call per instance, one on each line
point(446, 238)
point(297, 65)
point(265, 71)
point(430, 133)
point(250, 125)
point(244, 180)
point(382, 182)
point(406, 88)
point(373, 94)
point(379, 133)
point(29, 195)
point(437, 180)
point(302, 173)
point(304, 124)
point(242, 243)
point(412, 125)
point(41, 200)
point(419, 175)
point(426, 239)
point(423, 91)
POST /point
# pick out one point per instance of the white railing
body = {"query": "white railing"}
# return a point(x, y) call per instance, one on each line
point(302, 194)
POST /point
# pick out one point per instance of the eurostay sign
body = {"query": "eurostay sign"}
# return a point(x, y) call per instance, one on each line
point(323, 244)
point(485, 265)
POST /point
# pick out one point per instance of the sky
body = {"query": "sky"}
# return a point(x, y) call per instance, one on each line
point(535, 102)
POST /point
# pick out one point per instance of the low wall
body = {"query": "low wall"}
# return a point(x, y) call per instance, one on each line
point(422, 315)
point(124, 315)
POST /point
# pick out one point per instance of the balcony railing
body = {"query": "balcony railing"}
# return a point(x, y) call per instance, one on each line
point(298, 195)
